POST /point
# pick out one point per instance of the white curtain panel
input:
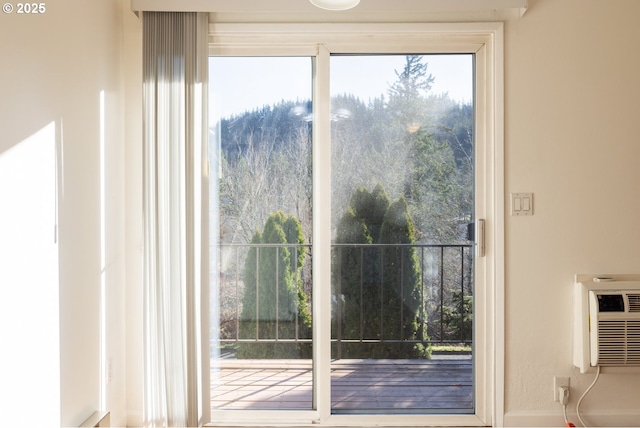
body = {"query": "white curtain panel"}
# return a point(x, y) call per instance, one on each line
point(174, 134)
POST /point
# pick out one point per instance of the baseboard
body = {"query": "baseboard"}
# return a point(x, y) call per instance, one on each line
point(555, 419)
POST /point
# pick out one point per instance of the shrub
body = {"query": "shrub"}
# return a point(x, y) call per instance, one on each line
point(274, 306)
point(378, 287)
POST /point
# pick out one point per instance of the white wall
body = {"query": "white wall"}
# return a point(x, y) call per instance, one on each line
point(55, 66)
point(572, 102)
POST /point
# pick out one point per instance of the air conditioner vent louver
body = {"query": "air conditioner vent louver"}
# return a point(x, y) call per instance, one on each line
point(618, 342)
point(606, 320)
point(634, 302)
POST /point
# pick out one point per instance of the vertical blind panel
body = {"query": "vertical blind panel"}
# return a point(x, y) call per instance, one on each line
point(172, 147)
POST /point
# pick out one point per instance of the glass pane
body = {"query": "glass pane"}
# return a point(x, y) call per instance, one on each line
point(260, 225)
point(402, 189)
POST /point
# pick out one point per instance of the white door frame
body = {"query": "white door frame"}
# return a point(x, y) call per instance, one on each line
point(485, 41)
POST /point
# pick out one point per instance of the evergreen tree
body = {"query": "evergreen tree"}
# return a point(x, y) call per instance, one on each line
point(458, 318)
point(408, 95)
point(357, 271)
point(377, 289)
point(401, 287)
point(274, 306)
point(433, 189)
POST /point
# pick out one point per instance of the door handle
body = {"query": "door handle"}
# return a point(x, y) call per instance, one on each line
point(480, 238)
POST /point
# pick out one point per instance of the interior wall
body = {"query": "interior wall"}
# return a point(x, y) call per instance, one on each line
point(62, 73)
point(572, 96)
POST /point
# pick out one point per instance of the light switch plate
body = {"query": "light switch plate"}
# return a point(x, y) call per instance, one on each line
point(521, 204)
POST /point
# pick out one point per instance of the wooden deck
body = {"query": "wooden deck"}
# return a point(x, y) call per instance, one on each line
point(437, 385)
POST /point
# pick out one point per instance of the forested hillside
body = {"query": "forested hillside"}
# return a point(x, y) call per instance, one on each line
point(416, 144)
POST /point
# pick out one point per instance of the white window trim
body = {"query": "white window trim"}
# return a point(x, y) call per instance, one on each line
point(319, 41)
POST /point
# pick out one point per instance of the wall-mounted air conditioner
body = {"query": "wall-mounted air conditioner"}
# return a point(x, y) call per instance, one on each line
point(606, 321)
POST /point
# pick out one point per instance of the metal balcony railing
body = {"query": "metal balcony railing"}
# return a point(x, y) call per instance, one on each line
point(445, 291)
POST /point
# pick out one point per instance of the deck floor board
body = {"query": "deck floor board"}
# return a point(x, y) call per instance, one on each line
point(414, 385)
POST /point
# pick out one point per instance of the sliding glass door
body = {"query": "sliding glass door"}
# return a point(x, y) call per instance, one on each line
point(346, 180)
point(402, 202)
point(261, 284)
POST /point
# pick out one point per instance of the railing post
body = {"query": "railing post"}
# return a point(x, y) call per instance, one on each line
point(237, 294)
point(401, 293)
point(441, 295)
point(339, 307)
point(298, 280)
point(257, 293)
point(423, 311)
point(461, 326)
point(277, 293)
point(382, 294)
point(361, 293)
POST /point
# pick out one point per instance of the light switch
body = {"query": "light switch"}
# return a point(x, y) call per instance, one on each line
point(521, 204)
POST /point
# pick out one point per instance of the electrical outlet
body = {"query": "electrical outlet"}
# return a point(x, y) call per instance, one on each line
point(563, 395)
point(557, 383)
